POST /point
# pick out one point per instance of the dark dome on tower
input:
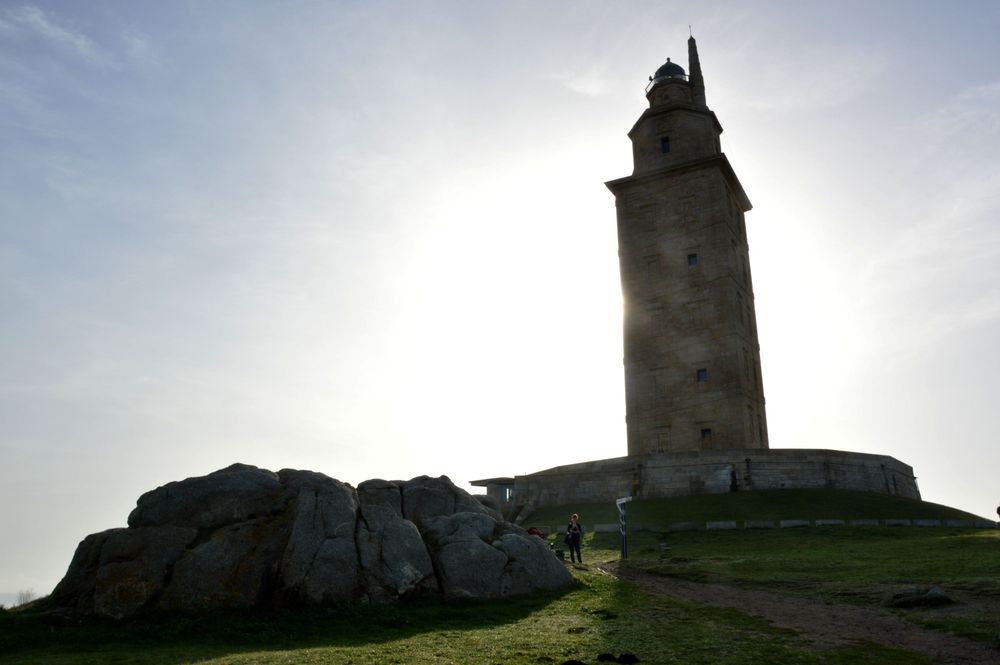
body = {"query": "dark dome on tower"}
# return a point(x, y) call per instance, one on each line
point(669, 70)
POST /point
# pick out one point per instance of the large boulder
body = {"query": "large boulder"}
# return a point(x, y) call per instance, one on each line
point(467, 563)
point(234, 494)
point(320, 562)
point(133, 567)
point(232, 568)
point(528, 568)
point(394, 560)
point(425, 497)
point(479, 557)
point(76, 590)
point(244, 537)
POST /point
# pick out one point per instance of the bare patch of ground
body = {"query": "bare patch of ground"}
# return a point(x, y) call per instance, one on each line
point(819, 623)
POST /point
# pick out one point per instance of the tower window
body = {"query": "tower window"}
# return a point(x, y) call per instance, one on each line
point(665, 145)
point(706, 435)
point(692, 259)
point(662, 438)
point(652, 266)
point(702, 375)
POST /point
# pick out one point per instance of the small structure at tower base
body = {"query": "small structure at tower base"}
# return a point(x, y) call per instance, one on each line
point(659, 475)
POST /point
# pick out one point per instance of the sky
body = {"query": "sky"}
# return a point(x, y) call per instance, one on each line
point(372, 239)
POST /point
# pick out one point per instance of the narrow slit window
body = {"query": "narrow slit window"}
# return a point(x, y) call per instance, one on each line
point(692, 259)
point(665, 144)
point(702, 375)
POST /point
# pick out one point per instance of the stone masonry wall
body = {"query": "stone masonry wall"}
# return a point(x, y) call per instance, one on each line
point(714, 472)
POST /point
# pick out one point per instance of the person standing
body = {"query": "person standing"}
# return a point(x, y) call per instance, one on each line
point(574, 536)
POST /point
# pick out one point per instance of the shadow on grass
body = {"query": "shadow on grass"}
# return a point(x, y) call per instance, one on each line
point(171, 638)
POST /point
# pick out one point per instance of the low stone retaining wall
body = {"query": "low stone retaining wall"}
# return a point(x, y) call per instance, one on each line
point(728, 525)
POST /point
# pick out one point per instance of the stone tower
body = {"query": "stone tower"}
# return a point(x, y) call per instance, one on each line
point(693, 393)
point(692, 360)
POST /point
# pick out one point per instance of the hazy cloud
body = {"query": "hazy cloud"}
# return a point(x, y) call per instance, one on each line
point(593, 82)
point(140, 50)
point(940, 270)
point(966, 122)
point(815, 78)
point(34, 20)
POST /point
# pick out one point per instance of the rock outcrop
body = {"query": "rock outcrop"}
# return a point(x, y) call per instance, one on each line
point(245, 537)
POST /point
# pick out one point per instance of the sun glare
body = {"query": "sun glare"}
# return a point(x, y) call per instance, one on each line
point(509, 329)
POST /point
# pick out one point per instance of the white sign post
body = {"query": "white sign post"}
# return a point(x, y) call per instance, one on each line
point(622, 527)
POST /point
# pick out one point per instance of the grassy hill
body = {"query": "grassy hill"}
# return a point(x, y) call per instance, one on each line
point(759, 505)
point(845, 566)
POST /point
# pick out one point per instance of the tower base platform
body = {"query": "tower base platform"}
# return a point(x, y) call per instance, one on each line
point(705, 472)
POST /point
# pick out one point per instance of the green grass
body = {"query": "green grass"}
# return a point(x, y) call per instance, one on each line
point(598, 615)
point(757, 505)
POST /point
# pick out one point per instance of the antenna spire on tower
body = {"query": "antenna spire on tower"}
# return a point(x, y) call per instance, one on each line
point(694, 73)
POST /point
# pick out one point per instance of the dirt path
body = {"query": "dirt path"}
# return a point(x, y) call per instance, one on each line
point(820, 624)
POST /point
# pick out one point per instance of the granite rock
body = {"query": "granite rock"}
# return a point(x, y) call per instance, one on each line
point(244, 537)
